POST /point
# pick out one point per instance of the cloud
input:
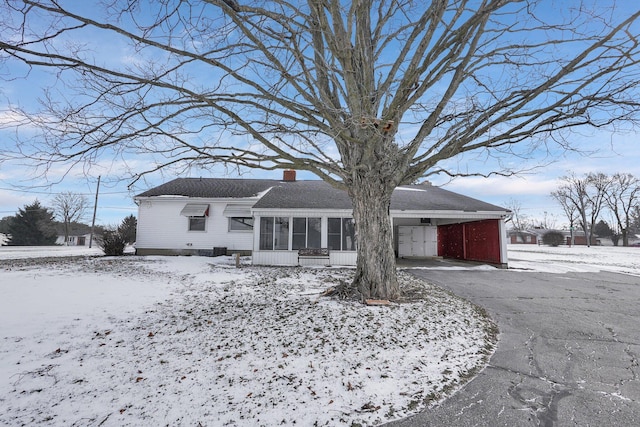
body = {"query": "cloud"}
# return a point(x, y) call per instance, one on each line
point(500, 186)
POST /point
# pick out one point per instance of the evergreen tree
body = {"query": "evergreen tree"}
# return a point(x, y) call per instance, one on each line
point(33, 225)
point(602, 229)
point(5, 224)
point(127, 229)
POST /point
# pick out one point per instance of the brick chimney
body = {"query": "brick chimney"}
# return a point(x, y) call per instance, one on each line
point(289, 175)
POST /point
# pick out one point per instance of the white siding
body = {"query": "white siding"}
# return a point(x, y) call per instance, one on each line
point(275, 258)
point(160, 226)
point(343, 258)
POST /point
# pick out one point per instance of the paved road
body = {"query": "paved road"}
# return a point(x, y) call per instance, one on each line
point(568, 353)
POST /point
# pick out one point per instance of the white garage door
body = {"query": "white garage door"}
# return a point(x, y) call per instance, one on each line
point(417, 241)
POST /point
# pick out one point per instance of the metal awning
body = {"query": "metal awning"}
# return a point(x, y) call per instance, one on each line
point(195, 209)
point(237, 210)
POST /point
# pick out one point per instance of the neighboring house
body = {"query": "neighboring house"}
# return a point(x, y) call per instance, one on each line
point(79, 235)
point(534, 236)
point(527, 237)
point(291, 222)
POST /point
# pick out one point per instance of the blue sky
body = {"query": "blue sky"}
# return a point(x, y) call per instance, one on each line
point(606, 151)
point(617, 152)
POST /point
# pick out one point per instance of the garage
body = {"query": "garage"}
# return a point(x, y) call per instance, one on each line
point(417, 241)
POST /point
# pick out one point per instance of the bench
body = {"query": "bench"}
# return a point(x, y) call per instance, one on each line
point(313, 256)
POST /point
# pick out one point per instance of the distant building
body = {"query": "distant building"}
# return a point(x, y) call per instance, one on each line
point(79, 235)
point(534, 236)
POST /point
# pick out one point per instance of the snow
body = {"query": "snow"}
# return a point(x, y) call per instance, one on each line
point(410, 189)
point(90, 340)
point(21, 252)
point(194, 340)
point(564, 259)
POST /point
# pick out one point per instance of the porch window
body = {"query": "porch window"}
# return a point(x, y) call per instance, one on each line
point(341, 234)
point(306, 233)
point(274, 233)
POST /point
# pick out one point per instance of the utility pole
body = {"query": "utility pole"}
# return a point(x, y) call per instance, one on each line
point(95, 209)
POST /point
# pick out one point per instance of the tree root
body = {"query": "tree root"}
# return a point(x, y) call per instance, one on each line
point(343, 290)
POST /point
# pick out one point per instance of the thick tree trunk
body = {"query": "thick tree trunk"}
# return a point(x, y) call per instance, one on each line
point(376, 267)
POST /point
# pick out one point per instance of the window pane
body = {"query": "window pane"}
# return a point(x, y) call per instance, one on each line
point(266, 234)
point(197, 223)
point(313, 233)
point(348, 234)
point(240, 223)
point(333, 235)
point(299, 233)
point(281, 233)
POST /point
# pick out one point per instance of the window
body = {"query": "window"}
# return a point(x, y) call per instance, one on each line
point(240, 223)
point(266, 233)
point(197, 223)
point(306, 233)
point(197, 214)
point(274, 233)
point(281, 233)
point(341, 234)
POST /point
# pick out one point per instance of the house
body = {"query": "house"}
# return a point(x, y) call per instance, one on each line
point(294, 222)
point(535, 237)
point(527, 237)
point(79, 234)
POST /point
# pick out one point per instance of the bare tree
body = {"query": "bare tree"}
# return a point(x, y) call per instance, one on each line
point(69, 208)
point(519, 221)
point(367, 94)
point(622, 196)
point(635, 220)
point(584, 198)
point(548, 221)
point(563, 197)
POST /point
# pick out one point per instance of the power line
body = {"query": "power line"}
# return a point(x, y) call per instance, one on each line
point(50, 193)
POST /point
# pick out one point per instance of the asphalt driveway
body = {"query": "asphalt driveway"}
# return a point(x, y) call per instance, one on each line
point(568, 354)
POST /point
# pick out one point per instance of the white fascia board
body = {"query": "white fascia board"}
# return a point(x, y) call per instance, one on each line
point(449, 214)
point(235, 200)
point(312, 213)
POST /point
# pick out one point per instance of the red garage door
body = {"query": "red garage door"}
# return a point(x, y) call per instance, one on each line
point(471, 241)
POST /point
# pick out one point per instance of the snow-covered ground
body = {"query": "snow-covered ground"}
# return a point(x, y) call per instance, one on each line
point(193, 340)
point(565, 259)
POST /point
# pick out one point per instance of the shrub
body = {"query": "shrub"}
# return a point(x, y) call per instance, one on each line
point(553, 238)
point(112, 243)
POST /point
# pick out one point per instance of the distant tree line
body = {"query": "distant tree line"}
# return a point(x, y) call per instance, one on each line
point(37, 225)
point(586, 200)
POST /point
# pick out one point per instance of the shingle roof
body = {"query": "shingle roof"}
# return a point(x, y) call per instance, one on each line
point(427, 197)
point(316, 194)
point(211, 188)
point(305, 195)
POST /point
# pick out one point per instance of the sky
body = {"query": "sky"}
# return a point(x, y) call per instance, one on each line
point(605, 151)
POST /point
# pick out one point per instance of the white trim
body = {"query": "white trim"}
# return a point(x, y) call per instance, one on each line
point(504, 258)
point(449, 214)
